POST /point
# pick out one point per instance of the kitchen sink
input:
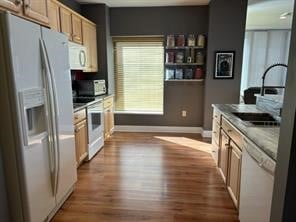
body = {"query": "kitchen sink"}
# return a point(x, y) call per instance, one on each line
point(258, 119)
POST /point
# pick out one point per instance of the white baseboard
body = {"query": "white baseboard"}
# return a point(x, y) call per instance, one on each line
point(162, 129)
point(207, 134)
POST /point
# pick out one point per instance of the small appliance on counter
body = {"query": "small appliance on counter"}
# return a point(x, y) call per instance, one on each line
point(91, 87)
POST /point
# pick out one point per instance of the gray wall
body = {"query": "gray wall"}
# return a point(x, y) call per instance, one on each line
point(158, 20)
point(284, 196)
point(177, 96)
point(72, 4)
point(226, 32)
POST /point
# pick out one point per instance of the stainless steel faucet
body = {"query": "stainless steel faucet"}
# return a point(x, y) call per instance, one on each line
point(264, 76)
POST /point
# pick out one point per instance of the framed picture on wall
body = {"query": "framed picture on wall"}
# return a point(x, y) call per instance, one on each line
point(224, 64)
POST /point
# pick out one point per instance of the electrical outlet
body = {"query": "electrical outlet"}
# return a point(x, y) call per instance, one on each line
point(184, 113)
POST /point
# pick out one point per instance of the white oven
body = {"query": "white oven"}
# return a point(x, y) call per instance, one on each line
point(95, 118)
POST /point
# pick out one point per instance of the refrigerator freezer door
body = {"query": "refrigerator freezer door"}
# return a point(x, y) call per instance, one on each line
point(34, 161)
point(56, 45)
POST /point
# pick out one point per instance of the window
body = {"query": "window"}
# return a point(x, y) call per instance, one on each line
point(264, 48)
point(139, 73)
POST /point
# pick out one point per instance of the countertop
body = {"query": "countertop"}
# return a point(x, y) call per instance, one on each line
point(266, 138)
point(96, 99)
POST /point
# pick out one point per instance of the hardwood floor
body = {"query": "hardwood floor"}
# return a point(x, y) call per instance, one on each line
point(150, 177)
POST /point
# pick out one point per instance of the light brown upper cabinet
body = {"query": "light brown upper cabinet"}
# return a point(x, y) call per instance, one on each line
point(89, 33)
point(37, 10)
point(77, 29)
point(54, 15)
point(66, 22)
point(34, 10)
point(12, 5)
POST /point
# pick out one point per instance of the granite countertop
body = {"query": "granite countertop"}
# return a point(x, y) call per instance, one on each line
point(266, 138)
point(97, 98)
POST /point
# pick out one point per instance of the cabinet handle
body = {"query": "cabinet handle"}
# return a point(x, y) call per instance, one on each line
point(78, 129)
point(229, 131)
point(77, 37)
point(27, 5)
point(17, 2)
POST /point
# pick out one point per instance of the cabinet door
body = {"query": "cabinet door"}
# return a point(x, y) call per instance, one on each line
point(54, 15)
point(111, 120)
point(223, 158)
point(77, 29)
point(66, 22)
point(37, 9)
point(233, 183)
point(13, 5)
point(87, 44)
point(216, 132)
point(106, 123)
point(93, 43)
point(81, 141)
point(89, 33)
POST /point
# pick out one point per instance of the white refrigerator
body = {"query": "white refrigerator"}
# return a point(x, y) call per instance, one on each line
point(37, 135)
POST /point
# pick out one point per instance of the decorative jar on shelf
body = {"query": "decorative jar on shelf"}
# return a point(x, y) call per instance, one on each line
point(170, 41)
point(199, 74)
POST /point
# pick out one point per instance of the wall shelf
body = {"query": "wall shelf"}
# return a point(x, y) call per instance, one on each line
point(184, 64)
point(183, 47)
point(184, 80)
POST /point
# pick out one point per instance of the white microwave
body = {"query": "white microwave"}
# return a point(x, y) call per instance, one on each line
point(77, 56)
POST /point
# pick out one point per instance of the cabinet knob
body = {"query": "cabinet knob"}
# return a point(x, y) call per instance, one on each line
point(17, 2)
point(229, 131)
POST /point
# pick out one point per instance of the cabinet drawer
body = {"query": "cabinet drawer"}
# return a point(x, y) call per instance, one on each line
point(232, 132)
point(217, 116)
point(108, 102)
point(79, 116)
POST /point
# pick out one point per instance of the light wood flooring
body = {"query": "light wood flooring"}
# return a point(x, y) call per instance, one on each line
point(150, 177)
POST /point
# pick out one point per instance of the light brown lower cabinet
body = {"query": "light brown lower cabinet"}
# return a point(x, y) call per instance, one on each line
point(224, 155)
point(108, 117)
point(234, 172)
point(81, 141)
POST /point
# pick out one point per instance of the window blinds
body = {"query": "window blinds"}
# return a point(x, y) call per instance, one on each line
point(139, 73)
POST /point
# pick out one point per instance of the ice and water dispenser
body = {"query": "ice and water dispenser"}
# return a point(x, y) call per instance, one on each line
point(34, 116)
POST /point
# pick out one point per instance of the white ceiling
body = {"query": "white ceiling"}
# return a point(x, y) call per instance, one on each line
point(265, 14)
point(146, 3)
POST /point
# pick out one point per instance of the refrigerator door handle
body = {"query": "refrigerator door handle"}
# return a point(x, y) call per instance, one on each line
point(56, 116)
point(52, 137)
